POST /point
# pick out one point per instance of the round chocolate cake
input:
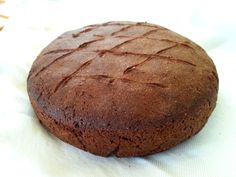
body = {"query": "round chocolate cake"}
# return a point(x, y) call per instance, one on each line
point(123, 88)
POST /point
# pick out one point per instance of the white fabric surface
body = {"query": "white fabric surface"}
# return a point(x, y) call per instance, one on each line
point(26, 148)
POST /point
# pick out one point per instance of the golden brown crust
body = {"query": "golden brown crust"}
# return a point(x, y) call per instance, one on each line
point(123, 88)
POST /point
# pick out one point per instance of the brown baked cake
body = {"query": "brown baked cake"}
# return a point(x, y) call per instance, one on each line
point(123, 88)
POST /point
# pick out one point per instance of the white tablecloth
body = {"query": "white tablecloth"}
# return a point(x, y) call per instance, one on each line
point(27, 149)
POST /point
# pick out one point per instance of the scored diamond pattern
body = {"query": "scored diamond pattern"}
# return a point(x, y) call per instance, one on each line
point(85, 47)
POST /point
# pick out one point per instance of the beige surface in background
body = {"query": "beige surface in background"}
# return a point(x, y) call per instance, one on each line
point(27, 149)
